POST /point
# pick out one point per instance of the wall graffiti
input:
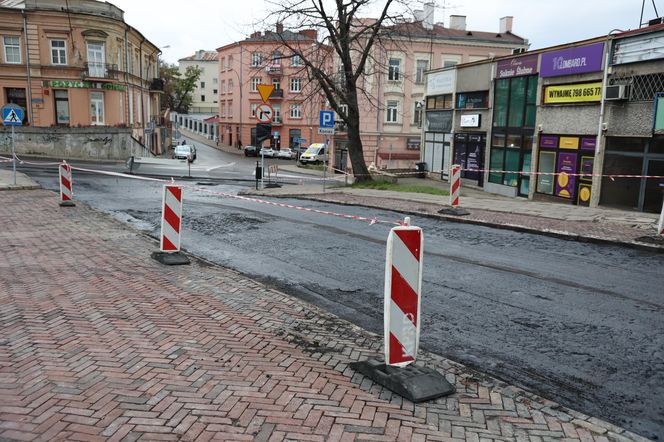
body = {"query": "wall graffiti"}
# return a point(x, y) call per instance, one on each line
point(50, 138)
point(106, 140)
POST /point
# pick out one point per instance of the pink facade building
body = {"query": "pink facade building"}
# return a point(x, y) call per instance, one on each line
point(264, 59)
point(391, 127)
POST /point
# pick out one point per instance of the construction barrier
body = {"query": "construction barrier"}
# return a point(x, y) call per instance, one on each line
point(660, 226)
point(171, 219)
point(403, 287)
point(455, 185)
point(66, 182)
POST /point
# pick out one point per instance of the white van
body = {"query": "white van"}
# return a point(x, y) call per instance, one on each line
point(315, 153)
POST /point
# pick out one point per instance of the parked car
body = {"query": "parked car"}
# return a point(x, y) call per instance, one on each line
point(184, 152)
point(286, 153)
point(250, 151)
point(268, 152)
point(315, 154)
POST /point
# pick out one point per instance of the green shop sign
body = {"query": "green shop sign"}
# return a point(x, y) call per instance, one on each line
point(86, 85)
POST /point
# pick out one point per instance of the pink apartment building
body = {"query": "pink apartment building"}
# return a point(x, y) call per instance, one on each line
point(263, 59)
point(391, 126)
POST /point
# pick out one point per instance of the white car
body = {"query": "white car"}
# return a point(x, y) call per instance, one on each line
point(184, 152)
point(286, 153)
point(268, 152)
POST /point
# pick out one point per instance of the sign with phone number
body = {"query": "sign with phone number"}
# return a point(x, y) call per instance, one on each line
point(573, 93)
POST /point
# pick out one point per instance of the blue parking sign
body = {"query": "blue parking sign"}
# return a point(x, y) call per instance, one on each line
point(327, 119)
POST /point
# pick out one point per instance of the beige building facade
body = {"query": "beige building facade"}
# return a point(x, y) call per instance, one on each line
point(79, 66)
point(205, 98)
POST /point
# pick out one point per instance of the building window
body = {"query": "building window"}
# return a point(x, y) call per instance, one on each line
point(277, 113)
point(296, 111)
point(230, 108)
point(97, 108)
point(256, 59)
point(296, 60)
point(215, 80)
point(230, 87)
point(440, 102)
point(472, 100)
point(61, 108)
point(230, 62)
point(96, 60)
point(417, 115)
point(394, 71)
point(58, 52)
point(222, 109)
point(391, 115)
point(276, 82)
point(295, 85)
point(18, 97)
point(223, 86)
point(450, 63)
point(254, 106)
point(202, 97)
point(255, 81)
point(420, 67)
point(202, 85)
point(215, 91)
point(223, 63)
point(12, 49)
point(276, 58)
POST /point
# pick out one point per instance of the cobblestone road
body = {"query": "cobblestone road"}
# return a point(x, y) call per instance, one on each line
point(99, 342)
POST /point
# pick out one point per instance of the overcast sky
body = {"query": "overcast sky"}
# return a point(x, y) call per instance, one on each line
point(208, 24)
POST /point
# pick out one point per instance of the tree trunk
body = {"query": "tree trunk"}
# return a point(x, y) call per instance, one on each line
point(355, 148)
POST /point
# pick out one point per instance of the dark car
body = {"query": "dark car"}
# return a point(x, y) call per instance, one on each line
point(250, 151)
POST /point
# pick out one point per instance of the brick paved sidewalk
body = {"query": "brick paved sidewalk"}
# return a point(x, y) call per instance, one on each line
point(99, 342)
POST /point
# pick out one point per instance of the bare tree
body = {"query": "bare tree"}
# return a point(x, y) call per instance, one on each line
point(342, 62)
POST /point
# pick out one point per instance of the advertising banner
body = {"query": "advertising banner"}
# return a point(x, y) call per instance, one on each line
point(565, 181)
point(441, 82)
point(573, 93)
point(572, 61)
point(517, 67)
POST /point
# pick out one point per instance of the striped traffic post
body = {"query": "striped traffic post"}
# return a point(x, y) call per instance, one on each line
point(171, 227)
point(171, 219)
point(403, 286)
point(66, 180)
point(455, 185)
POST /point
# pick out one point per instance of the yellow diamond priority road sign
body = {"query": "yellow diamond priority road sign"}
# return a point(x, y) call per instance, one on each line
point(265, 90)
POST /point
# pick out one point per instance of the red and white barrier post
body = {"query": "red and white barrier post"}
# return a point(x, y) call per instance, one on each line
point(403, 286)
point(66, 181)
point(171, 227)
point(455, 185)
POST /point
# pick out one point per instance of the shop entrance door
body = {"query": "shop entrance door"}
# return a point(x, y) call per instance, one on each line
point(652, 194)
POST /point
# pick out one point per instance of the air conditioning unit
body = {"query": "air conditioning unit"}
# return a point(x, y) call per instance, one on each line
point(617, 92)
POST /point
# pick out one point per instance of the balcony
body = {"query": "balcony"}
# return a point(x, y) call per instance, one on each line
point(157, 84)
point(277, 93)
point(100, 70)
point(273, 69)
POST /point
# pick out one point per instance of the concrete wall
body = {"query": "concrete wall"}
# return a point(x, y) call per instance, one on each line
point(90, 143)
point(569, 119)
point(629, 118)
point(474, 78)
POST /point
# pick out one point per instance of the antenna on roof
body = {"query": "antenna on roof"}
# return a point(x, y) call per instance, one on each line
point(643, 5)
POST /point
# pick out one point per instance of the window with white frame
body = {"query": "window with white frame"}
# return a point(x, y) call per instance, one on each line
point(276, 58)
point(392, 113)
point(97, 108)
point(417, 114)
point(230, 108)
point(255, 81)
point(277, 113)
point(256, 59)
point(394, 70)
point(223, 86)
point(420, 67)
point(202, 85)
point(230, 86)
point(295, 84)
point(296, 60)
point(215, 80)
point(223, 63)
point(222, 109)
point(229, 63)
point(12, 49)
point(58, 52)
point(296, 111)
point(254, 106)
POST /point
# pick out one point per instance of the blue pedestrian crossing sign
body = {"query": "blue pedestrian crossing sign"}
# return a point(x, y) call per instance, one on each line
point(12, 115)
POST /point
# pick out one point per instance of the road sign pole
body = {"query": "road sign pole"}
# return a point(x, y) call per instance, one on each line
point(327, 149)
point(13, 155)
point(262, 167)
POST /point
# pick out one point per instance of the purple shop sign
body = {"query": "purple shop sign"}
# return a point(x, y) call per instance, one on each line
point(572, 61)
point(588, 143)
point(548, 141)
point(565, 180)
point(517, 67)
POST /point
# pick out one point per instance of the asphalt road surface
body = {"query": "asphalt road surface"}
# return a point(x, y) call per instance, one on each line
point(578, 323)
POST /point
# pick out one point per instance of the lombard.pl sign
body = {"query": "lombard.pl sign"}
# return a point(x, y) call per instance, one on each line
point(571, 61)
point(517, 67)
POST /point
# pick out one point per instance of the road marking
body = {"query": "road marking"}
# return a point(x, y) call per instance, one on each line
point(219, 167)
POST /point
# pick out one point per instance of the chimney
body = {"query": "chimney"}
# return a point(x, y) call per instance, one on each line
point(418, 15)
point(458, 22)
point(309, 33)
point(506, 24)
point(256, 34)
point(427, 21)
point(280, 28)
